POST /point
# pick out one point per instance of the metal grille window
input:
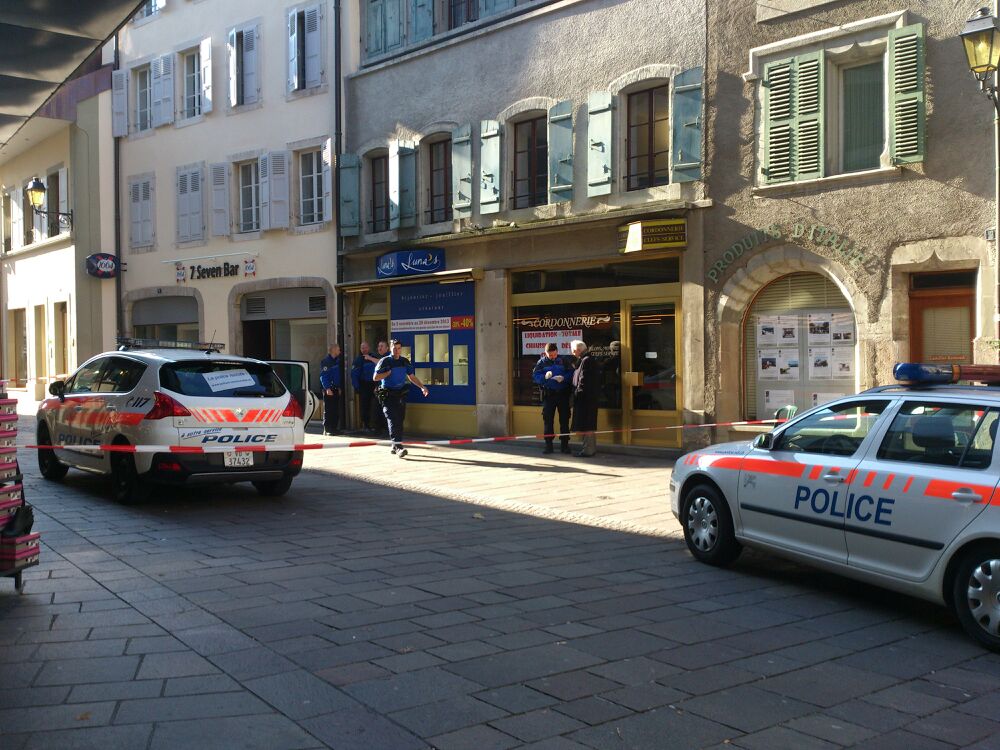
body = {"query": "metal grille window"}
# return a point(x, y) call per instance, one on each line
point(192, 84)
point(311, 187)
point(250, 196)
point(462, 12)
point(440, 191)
point(143, 100)
point(380, 194)
point(531, 158)
point(648, 140)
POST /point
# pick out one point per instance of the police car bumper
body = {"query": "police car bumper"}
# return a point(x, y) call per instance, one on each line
point(210, 468)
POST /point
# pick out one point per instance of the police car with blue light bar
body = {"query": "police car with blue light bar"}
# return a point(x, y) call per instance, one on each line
point(898, 486)
point(185, 397)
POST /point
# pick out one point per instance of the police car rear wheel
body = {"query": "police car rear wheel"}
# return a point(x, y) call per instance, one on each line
point(708, 526)
point(128, 487)
point(977, 595)
point(49, 466)
point(275, 488)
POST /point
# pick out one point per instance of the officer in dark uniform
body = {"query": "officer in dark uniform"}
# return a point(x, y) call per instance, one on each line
point(554, 376)
point(362, 371)
point(331, 377)
point(394, 374)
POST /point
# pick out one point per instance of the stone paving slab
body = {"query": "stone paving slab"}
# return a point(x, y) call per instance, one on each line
point(497, 599)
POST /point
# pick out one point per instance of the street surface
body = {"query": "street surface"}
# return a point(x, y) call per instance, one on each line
point(460, 598)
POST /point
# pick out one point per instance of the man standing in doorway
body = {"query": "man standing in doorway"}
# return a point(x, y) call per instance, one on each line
point(586, 396)
point(362, 372)
point(394, 374)
point(379, 425)
point(554, 376)
point(331, 377)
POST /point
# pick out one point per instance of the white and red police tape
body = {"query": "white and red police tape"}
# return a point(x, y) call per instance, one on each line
point(230, 448)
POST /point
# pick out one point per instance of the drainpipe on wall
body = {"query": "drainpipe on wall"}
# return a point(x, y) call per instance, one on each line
point(119, 311)
point(337, 149)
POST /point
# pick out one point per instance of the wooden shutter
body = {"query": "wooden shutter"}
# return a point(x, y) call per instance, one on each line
point(489, 7)
point(293, 50)
point(279, 189)
point(314, 46)
point(394, 17)
point(599, 134)
point(264, 190)
point(560, 139)
point(327, 179)
point(810, 148)
point(164, 113)
point(183, 209)
point(402, 184)
point(234, 68)
point(220, 199)
point(146, 212)
point(489, 167)
point(196, 204)
point(119, 103)
point(135, 214)
point(461, 171)
point(907, 105)
point(63, 191)
point(349, 214)
point(205, 60)
point(685, 157)
point(251, 77)
point(155, 90)
point(779, 119)
point(375, 27)
point(421, 20)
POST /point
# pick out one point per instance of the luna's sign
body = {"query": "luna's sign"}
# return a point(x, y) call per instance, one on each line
point(409, 263)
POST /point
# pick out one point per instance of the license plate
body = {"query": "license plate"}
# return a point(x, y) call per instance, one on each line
point(237, 460)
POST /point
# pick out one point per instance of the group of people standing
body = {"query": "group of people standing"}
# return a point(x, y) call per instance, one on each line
point(570, 386)
point(384, 379)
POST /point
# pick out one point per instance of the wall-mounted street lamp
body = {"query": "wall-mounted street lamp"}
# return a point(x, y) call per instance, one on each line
point(981, 37)
point(36, 196)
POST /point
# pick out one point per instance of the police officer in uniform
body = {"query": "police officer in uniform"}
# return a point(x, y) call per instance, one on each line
point(331, 377)
point(394, 373)
point(554, 376)
point(362, 370)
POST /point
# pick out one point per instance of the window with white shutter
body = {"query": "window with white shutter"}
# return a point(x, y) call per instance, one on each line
point(244, 77)
point(142, 233)
point(310, 187)
point(143, 98)
point(192, 71)
point(190, 204)
point(305, 48)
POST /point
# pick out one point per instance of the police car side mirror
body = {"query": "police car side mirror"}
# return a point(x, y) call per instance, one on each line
point(765, 441)
point(58, 388)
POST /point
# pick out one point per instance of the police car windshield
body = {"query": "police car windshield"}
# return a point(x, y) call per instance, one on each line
point(221, 379)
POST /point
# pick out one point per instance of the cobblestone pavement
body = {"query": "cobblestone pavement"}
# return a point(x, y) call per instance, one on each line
point(370, 609)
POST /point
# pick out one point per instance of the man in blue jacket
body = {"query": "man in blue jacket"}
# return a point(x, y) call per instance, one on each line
point(554, 376)
point(362, 372)
point(394, 374)
point(331, 378)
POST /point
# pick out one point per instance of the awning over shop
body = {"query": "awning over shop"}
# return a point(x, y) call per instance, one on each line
point(41, 43)
point(441, 277)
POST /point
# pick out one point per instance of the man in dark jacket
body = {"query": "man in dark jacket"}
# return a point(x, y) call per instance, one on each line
point(394, 373)
point(331, 377)
point(554, 376)
point(586, 395)
point(362, 371)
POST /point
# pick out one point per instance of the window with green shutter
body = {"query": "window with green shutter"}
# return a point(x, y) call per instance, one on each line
point(863, 116)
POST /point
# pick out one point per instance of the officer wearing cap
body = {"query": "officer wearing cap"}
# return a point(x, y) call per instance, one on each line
point(554, 376)
point(394, 373)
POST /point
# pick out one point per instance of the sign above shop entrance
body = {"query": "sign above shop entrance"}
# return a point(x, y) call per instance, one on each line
point(409, 263)
point(656, 234)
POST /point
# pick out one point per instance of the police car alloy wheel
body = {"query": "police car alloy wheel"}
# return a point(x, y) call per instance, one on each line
point(49, 466)
point(977, 594)
point(708, 526)
point(127, 486)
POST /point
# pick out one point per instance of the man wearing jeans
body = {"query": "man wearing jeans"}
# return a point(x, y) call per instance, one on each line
point(331, 377)
point(394, 374)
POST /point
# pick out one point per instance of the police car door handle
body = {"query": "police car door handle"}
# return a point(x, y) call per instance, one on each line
point(965, 495)
point(111, 407)
point(833, 478)
point(77, 408)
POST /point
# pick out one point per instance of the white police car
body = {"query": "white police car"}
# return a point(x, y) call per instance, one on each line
point(185, 400)
point(896, 486)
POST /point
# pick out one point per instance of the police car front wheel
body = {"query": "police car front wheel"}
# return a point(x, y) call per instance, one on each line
point(50, 467)
point(976, 594)
point(708, 526)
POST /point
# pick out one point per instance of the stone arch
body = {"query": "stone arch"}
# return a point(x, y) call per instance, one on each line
point(644, 73)
point(436, 128)
point(238, 291)
point(530, 104)
point(736, 296)
point(153, 292)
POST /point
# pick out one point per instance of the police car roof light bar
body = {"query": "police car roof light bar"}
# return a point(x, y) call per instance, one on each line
point(125, 343)
point(917, 374)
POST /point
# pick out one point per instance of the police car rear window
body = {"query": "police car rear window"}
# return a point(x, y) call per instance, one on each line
point(942, 434)
point(221, 379)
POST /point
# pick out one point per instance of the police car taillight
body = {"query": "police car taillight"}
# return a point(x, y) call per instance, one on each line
point(913, 373)
point(164, 407)
point(293, 409)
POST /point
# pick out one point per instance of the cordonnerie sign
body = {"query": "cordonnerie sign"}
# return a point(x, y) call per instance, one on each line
point(804, 233)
